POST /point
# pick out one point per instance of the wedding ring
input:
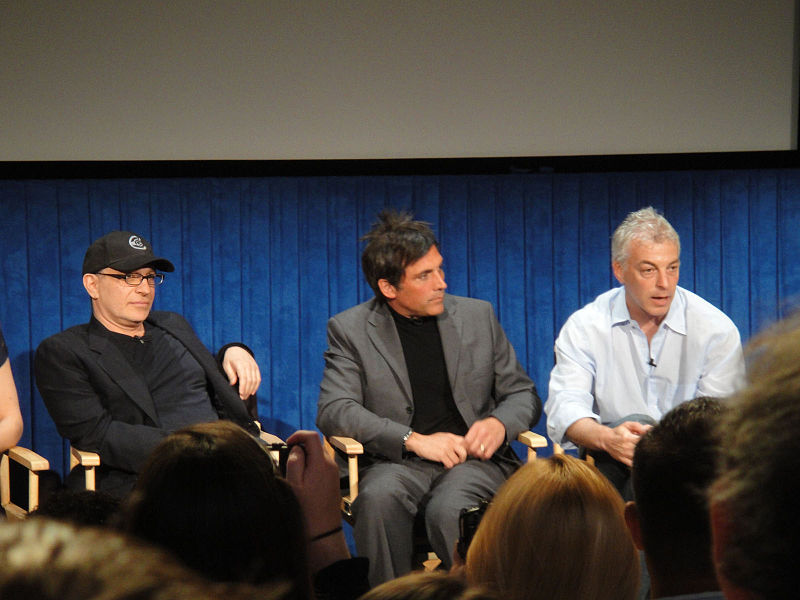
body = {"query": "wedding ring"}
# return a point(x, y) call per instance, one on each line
point(483, 448)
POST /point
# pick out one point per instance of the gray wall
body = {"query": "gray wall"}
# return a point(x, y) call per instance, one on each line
point(188, 79)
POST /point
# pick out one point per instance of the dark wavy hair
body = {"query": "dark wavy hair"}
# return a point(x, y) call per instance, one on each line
point(395, 241)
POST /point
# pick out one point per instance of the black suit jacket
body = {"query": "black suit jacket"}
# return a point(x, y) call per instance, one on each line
point(99, 403)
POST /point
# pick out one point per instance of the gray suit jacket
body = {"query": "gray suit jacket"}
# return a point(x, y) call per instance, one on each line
point(366, 393)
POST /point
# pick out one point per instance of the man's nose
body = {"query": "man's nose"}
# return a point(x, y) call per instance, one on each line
point(144, 287)
point(661, 279)
point(440, 282)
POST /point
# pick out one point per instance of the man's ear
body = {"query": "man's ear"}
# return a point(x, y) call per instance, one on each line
point(632, 521)
point(387, 289)
point(90, 285)
point(618, 269)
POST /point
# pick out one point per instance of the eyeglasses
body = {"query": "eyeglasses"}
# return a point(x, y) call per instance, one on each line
point(134, 279)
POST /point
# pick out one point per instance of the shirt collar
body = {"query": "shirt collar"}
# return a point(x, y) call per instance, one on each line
point(675, 319)
point(619, 309)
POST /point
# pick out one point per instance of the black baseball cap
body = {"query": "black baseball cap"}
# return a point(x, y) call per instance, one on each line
point(124, 251)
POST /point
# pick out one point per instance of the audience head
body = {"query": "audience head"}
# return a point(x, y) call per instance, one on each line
point(209, 494)
point(81, 507)
point(756, 534)
point(644, 225)
point(673, 465)
point(51, 560)
point(394, 242)
point(421, 585)
point(555, 529)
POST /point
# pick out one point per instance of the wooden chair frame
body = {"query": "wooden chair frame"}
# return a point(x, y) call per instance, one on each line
point(557, 449)
point(34, 463)
point(352, 449)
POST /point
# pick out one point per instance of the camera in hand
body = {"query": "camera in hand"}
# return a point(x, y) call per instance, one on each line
point(468, 520)
point(283, 455)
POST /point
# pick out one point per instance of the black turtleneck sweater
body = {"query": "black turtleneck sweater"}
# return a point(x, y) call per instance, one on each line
point(434, 408)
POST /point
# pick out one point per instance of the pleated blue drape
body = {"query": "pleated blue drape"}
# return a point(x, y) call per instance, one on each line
point(268, 260)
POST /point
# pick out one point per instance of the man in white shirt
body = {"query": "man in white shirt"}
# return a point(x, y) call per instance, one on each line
point(636, 351)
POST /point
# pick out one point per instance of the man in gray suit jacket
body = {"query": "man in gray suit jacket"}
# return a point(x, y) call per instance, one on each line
point(430, 385)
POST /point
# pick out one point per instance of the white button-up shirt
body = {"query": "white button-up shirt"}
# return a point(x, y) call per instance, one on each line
point(606, 370)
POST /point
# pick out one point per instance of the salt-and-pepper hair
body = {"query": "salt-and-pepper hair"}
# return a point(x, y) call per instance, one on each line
point(644, 225)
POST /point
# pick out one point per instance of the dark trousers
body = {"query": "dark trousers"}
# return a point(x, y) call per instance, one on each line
point(616, 472)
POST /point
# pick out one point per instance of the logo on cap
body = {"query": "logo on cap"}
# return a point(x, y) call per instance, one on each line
point(136, 243)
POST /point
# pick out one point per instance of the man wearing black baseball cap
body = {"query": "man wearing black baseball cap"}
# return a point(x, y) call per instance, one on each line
point(123, 381)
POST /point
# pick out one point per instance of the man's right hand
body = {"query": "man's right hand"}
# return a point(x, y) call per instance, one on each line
point(620, 442)
point(446, 448)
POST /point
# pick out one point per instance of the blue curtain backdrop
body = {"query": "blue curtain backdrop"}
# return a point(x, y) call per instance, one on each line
point(268, 260)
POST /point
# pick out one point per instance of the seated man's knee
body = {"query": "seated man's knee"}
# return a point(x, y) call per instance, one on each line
point(384, 497)
point(440, 509)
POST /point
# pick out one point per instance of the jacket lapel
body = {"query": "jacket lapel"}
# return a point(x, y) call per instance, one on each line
point(450, 326)
point(111, 360)
point(187, 338)
point(382, 332)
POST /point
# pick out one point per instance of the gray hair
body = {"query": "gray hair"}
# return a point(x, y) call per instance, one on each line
point(644, 225)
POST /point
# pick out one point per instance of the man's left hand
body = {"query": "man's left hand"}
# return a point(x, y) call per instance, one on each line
point(241, 368)
point(485, 437)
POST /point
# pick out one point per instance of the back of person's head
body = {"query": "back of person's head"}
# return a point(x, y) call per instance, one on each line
point(555, 529)
point(52, 560)
point(81, 507)
point(421, 585)
point(395, 241)
point(753, 500)
point(644, 225)
point(208, 493)
point(673, 465)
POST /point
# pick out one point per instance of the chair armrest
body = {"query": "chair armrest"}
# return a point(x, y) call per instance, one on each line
point(351, 448)
point(33, 463)
point(345, 444)
point(28, 459)
point(88, 461)
point(83, 458)
point(269, 438)
point(532, 441)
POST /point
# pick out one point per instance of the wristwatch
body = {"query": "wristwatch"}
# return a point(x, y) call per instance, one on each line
point(405, 439)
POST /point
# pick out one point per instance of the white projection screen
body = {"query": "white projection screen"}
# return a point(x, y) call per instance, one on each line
point(375, 79)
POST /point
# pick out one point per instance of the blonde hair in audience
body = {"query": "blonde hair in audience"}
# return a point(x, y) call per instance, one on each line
point(555, 531)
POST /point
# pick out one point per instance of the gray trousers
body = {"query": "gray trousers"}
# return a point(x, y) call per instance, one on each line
point(391, 494)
